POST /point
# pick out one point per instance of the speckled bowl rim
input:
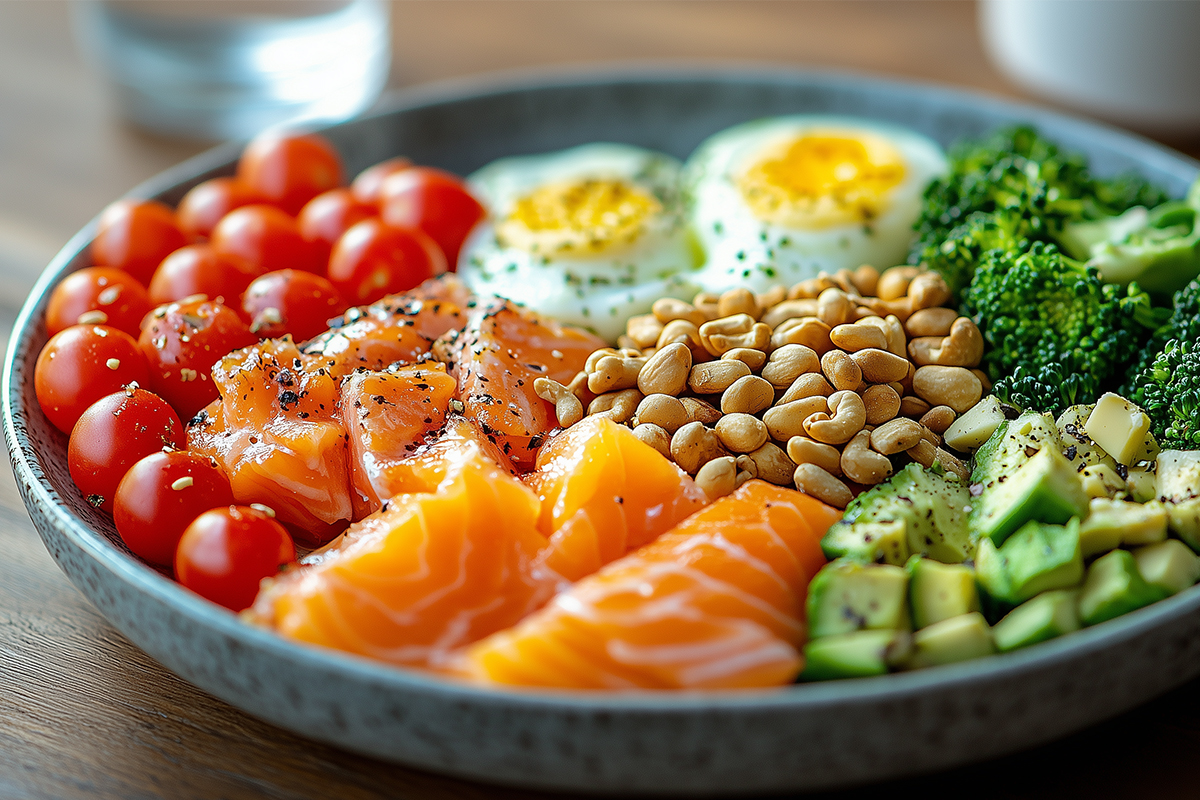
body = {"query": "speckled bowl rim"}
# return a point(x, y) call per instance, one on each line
point(29, 334)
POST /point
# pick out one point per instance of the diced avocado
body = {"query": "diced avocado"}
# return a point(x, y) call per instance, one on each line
point(930, 508)
point(939, 591)
point(848, 596)
point(1046, 616)
point(1112, 523)
point(859, 654)
point(1035, 559)
point(1183, 520)
point(1168, 565)
point(1119, 427)
point(1114, 587)
point(1044, 488)
point(1078, 447)
point(1101, 480)
point(959, 638)
point(1141, 485)
point(1178, 475)
point(968, 433)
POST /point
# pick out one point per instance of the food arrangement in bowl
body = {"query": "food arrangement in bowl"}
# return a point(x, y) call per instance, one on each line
point(599, 419)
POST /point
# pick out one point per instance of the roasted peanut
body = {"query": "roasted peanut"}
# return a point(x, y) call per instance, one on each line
point(863, 465)
point(746, 464)
point(682, 331)
point(956, 387)
point(788, 363)
point(984, 380)
point(667, 371)
point(893, 283)
point(906, 383)
point(939, 418)
point(808, 331)
point(901, 308)
point(810, 385)
point(928, 290)
point(700, 411)
point(727, 326)
point(654, 436)
point(663, 410)
point(866, 280)
point(749, 394)
point(771, 297)
point(811, 288)
point(834, 307)
point(844, 279)
point(757, 338)
point(773, 465)
point(816, 482)
point(738, 301)
point(952, 463)
point(668, 309)
point(896, 436)
point(754, 359)
point(804, 450)
point(842, 370)
point(930, 322)
point(644, 329)
point(567, 407)
point(694, 445)
point(626, 343)
point(593, 359)
point(706, 304)
point(882, 403)
point(847, 416)
point(617, 406)
point(857, 336)
point(880, 366)
point(787, 419)
point(963, 347)
point(718, 477)
point(789, 309)
point(712, 377)
point(578, 387)
point(913, 407)
point(923, 453)
point(741, 433)
point(613, 373)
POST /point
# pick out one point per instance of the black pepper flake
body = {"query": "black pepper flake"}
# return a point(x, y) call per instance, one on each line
point(288, 398)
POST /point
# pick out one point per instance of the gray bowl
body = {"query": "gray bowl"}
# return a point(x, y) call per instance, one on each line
point(804, 737)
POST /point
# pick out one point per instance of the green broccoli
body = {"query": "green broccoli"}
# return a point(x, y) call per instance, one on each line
point(1169, 392)
point(1056, 334)
point(1183, 323)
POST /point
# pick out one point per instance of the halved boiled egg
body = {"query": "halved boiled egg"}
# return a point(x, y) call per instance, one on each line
point(779, 200)
point(589, 236)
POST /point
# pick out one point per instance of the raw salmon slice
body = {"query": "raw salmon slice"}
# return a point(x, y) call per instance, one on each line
point(717, 602)
point(278, 434)
point(604, 492)
point(430, 573)
point(498, 355)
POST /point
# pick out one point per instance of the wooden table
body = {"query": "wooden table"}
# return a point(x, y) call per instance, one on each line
point(83, 713)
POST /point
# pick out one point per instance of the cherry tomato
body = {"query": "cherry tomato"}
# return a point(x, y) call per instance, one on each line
point(291, 301)
point(136, 235)
point(266, 238)
point(80, 365)
point(181, 342)
point(368, 186)
point(226, 552)
point(112, 295)
point(203, 206)
point(200, 269)
point(112, 434)
point(288, 170)
point(434, 201)
point(159, 497)
point(373, 259)
point(326, 217)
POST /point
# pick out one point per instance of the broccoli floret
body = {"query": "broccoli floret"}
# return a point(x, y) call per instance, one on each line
point(1183, 323)
point(1056, 334)
point(1169, 391)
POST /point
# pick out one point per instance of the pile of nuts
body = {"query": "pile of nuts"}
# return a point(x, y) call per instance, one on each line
point(838, 379)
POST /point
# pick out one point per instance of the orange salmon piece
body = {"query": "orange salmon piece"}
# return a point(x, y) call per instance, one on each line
point(717, 602)
point(278, 435)
point(605, 492)
point(430, 573)
point(499, 354)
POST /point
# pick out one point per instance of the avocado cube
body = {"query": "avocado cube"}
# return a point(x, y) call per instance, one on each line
point(1183, 520)
point(1077, 446)
point(967, 433)
point(1178, 475)
point(1112, 523)
point(847, 596)
point(955, 639)
point(1035, 559)
point(1168, 565)
point(859, 654)
point(1101, 480)
point(883, 541)
point(1046, 616)
point(1114, 587)
point(1141, 485)
point(939, 591)
point(1045, 488)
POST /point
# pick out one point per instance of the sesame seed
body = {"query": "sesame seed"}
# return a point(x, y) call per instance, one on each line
point(109, 296)
point(92, 318)
point(113, 363)
point(270, 512)
point(182, 483)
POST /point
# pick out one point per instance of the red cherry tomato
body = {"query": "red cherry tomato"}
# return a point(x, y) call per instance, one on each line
point(112, 434)
point(226, 552)
point(200, 269)
point(288, 170)
point(291, 301)
point(80, 365)
point(203, 206)
point(434, 201)
point(105, 291)
point(181, 342)
point(326, 217)
point(136, 235)
point(373, 259)
point(266, 238)
point(159, 497)
point(368, 186)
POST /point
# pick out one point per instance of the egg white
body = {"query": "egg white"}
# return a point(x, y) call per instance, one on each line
point(742, 249)
point(596, 288)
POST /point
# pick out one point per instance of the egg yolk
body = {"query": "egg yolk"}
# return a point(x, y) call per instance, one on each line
point(587, 217)
point(821, 180)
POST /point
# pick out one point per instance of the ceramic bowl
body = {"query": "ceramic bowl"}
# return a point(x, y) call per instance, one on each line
point(802, 737)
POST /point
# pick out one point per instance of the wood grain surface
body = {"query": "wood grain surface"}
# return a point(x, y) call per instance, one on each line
point(85, 714)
